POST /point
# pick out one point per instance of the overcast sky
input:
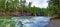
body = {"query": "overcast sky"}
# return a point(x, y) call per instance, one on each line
point(39, 3)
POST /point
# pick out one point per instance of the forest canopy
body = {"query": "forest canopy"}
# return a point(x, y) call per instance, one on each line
point(19, 8)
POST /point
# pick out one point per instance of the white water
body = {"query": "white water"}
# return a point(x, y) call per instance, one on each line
point(33, 21)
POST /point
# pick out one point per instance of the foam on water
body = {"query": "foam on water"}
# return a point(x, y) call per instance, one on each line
point(34, 22)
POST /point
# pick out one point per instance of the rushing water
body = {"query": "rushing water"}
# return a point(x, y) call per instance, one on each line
point(31, 21)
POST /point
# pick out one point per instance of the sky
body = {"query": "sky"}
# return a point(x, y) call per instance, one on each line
point(38, 3)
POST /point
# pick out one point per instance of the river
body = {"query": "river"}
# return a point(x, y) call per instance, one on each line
point(37, 21)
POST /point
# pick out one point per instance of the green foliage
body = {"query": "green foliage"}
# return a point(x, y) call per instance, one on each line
point(54, 7)
point(16, 6)
point(7, 23)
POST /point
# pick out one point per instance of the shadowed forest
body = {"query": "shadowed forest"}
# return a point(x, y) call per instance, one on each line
point(19, 8)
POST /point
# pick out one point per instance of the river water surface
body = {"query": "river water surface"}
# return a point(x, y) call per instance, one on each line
point(31, 21)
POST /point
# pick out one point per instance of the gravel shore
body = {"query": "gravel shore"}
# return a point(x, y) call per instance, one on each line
point(54, 23)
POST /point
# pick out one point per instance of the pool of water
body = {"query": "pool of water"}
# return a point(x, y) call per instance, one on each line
point(31, 21)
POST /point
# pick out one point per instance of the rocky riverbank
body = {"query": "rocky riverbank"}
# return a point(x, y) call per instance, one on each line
point(54, 23)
